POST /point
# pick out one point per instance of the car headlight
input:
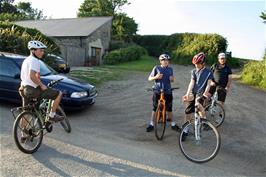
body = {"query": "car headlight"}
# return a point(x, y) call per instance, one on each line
point(79, 94)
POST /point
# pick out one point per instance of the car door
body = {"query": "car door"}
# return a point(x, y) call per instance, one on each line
point(9, 80)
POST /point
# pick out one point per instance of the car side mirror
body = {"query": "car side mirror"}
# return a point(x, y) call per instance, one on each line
point(17, 76)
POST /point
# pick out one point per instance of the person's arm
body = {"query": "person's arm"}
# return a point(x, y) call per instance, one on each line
point(153, 77)
point(206, 92)
point(36, 80)
point(172, 78)
point(189, 90)
point(229, 82)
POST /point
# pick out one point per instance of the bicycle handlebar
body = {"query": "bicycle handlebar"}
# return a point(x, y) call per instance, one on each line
point(54, 82)
point(152, 89)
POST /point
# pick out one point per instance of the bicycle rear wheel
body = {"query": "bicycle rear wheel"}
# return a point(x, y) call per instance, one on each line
point(65, 122)
point(27, 132)
point(215, 114)
point(204, 149)
point(159, 123)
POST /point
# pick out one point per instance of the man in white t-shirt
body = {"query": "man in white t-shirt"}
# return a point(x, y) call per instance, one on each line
point(31, 85)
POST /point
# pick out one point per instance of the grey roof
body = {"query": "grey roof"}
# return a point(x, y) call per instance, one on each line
point(66, 27)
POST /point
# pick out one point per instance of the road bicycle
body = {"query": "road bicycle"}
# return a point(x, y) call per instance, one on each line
point(160, 115)
point(32, 120)
point(215, 112)
point(199, 140)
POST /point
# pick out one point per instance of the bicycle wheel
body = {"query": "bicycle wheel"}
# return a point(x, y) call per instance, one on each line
point(65, 122)
point(215, 114)
point(204, 149)
point(159, 123)
point(27, 132)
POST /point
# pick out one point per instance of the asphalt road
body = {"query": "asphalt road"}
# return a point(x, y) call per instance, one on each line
point(109, 138)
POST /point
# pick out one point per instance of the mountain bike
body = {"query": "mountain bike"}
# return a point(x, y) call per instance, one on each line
point(160, 115)
point(215, 112)
point(32, 120)
point(202, 142)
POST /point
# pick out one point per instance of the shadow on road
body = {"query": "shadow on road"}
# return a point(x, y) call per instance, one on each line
point(49, 154)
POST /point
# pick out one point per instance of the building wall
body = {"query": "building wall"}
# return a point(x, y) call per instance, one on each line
point(77, 50)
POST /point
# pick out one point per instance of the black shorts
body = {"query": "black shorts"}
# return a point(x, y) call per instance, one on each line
point(220, 91)
point(168, 101)
point(190, 105)
point(28, 93)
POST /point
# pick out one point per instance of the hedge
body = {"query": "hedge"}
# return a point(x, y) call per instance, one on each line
point(121, 55)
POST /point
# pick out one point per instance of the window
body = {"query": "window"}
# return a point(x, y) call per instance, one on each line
point(93, 52)
point(8, 68)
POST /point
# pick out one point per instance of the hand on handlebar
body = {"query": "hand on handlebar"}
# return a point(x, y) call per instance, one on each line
point(43, 87)
point(159, 76)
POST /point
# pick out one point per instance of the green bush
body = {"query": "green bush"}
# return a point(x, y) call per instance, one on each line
point(254, 73)
point(183, 46)
point(114, 45)
point(124, 54)
point(152, 43)
point(14, 39)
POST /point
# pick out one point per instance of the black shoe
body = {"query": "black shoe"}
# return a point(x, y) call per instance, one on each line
point(184, 136)
point(56, 118)
point(176, 128)
point(169, 119)
point(149, 128)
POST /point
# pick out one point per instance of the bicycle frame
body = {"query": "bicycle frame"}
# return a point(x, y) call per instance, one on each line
point(162, 102)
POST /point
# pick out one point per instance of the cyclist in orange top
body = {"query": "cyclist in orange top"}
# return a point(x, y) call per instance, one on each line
point(162, 76)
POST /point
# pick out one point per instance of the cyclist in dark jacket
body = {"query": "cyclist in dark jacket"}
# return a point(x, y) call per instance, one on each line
point(222, 78)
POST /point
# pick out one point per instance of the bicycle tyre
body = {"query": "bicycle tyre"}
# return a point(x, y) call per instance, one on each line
point(186, 143)
point(16, 129)
point(159, 123)
point(65, 122)
point(210, 116)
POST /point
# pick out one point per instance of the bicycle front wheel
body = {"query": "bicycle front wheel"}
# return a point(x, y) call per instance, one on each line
point(203, 149)
point(27, 132)
point(65, 122)
point(159, 123)
point(215, 114)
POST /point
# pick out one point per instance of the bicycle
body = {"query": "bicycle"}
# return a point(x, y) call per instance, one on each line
point(160, 115)
point(32, 120)
point(215, 112)
point(201, 144)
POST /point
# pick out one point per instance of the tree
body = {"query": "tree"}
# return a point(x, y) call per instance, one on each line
point(31, 13)
point(21, 11)
point(7, 7)
point(123, 27)
point(263, 15)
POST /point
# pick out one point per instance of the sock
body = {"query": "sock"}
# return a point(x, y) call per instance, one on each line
point(172, 124)
point(52, 114)
point(186, 130)
point(151, 123)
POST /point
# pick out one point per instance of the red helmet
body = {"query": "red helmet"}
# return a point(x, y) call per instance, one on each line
point(199, 58)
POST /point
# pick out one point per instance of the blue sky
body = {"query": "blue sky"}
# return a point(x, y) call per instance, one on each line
point(237, 21)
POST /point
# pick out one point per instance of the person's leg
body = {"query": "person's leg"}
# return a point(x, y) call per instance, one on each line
point(155, 98)
point(56, 96)
point(221, 96)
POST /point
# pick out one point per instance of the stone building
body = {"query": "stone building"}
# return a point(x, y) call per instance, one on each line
point(82, 41)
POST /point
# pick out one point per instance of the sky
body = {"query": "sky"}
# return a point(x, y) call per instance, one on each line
point(237, 21)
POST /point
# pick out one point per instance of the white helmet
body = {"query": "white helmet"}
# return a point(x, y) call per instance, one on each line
point(36, 45)
point(221, 55)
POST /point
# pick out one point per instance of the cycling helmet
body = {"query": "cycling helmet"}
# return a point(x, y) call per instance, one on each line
point(164, 57)
point(36, 45)
point(199, 58)
point(221, 55)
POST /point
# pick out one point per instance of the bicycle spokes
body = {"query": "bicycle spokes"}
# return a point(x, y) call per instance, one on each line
point(200, 144)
